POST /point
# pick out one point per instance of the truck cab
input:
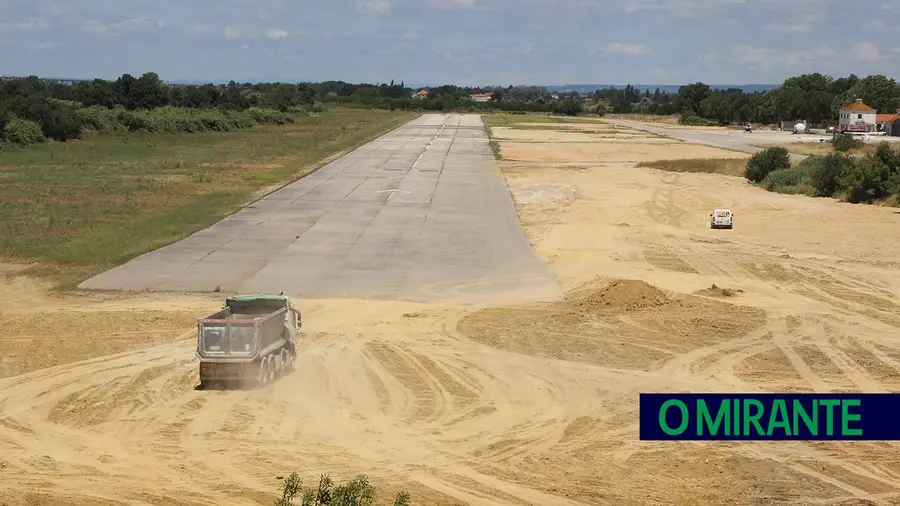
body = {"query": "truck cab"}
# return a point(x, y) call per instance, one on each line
point(721, 218)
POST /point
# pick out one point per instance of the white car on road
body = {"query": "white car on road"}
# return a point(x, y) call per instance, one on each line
point(721, 218)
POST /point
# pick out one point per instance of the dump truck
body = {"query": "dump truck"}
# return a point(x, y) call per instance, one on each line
point(251, 341)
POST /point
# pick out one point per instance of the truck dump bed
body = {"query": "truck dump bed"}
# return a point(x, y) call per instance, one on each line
point(243, 327)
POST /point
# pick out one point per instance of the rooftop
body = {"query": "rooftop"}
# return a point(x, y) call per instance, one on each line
point(857, 106)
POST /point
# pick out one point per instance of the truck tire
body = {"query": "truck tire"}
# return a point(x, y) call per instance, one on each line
point(262, 374)
point(278, 359)
point(288, 360)
point(272, 368)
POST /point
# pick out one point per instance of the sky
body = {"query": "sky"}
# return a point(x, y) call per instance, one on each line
point(463, 42)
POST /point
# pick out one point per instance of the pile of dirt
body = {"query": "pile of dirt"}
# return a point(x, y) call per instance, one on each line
point(622, 295)
point(715, 291)
point(623, 323)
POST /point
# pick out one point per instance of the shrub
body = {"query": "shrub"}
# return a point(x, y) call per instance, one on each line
point(768, 160)
point(318, 107)
point(888, 156)
point(864, 181)
point(23, 132)
point(260, 115)
point(787, 180)
point(846, 142)
point(825, 171)
point(358, 492)
point(690, 119)
point(101, 119)
point(60, 121)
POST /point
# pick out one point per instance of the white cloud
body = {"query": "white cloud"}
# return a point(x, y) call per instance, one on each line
point(880, 25)
point(31, 24)
point(865, 51)
point(276, 33)
point(232, 33)
point(453, 4)
point(412, 35)
point(802, 24)
point(201, 29)
point(707, 59)
point(374, 6)
point(128, 25)
point(767, 59)
point(624, 48)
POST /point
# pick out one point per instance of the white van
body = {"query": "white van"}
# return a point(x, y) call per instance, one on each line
point(721, 218)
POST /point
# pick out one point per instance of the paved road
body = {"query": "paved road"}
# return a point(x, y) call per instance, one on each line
point(420, 214)
point(726, 139)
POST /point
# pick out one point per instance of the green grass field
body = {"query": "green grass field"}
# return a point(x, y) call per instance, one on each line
point(80, 207)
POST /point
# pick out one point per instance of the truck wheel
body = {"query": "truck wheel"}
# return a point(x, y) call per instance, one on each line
point(279, 364)
point(262, 375)
point(271, 368)
point(288, 360)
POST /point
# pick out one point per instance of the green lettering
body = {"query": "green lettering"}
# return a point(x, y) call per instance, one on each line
point(754, 418)
point(779, 409)
point(846, 417)
point(684, 417)
point(737, 417)
point(829, 417)
point(704, 418)
point(812, 423)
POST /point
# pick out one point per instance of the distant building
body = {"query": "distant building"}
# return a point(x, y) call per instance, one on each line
point(857, 117)
point(893, 128)
point(882, 120)
point(481, 97)
point(420, 94)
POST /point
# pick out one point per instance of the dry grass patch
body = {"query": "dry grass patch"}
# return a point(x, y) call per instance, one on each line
point(725, 166)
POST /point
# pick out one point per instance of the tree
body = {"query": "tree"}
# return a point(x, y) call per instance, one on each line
point(690, 96)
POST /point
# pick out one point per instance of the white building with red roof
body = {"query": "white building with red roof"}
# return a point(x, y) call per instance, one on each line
point(857, 117)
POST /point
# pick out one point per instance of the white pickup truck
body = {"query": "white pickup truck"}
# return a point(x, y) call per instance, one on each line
point(721, 218)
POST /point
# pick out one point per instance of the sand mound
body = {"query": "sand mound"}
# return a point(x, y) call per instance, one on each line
point(716, 291)
point(622, 295)
point(623, 323)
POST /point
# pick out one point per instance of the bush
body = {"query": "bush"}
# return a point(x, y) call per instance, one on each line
point(888, 156)
point(768, 160)
point(690, 119)
point(825, 171)
point(22, 132)
point(864, 181)
point(787, 180)
point(358, 492)
point(846, 142)
point(101, 119)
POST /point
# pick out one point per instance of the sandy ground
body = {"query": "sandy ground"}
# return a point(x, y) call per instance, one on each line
point(491, 405)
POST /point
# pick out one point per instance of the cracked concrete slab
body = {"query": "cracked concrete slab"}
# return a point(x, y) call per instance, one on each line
point(421, 213)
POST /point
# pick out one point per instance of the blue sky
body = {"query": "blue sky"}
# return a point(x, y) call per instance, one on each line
point(464, 42)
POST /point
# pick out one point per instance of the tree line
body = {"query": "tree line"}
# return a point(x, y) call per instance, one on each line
point(34, 109)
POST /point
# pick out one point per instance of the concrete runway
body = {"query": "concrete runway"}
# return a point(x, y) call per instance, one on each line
point(421, 214)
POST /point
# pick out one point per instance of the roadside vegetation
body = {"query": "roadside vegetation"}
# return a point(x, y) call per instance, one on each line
point(358, 492)
point(725, 166)
point(874, 177)
point(33, 110)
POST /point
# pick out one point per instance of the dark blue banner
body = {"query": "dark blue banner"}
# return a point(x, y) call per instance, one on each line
point(742, 417)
